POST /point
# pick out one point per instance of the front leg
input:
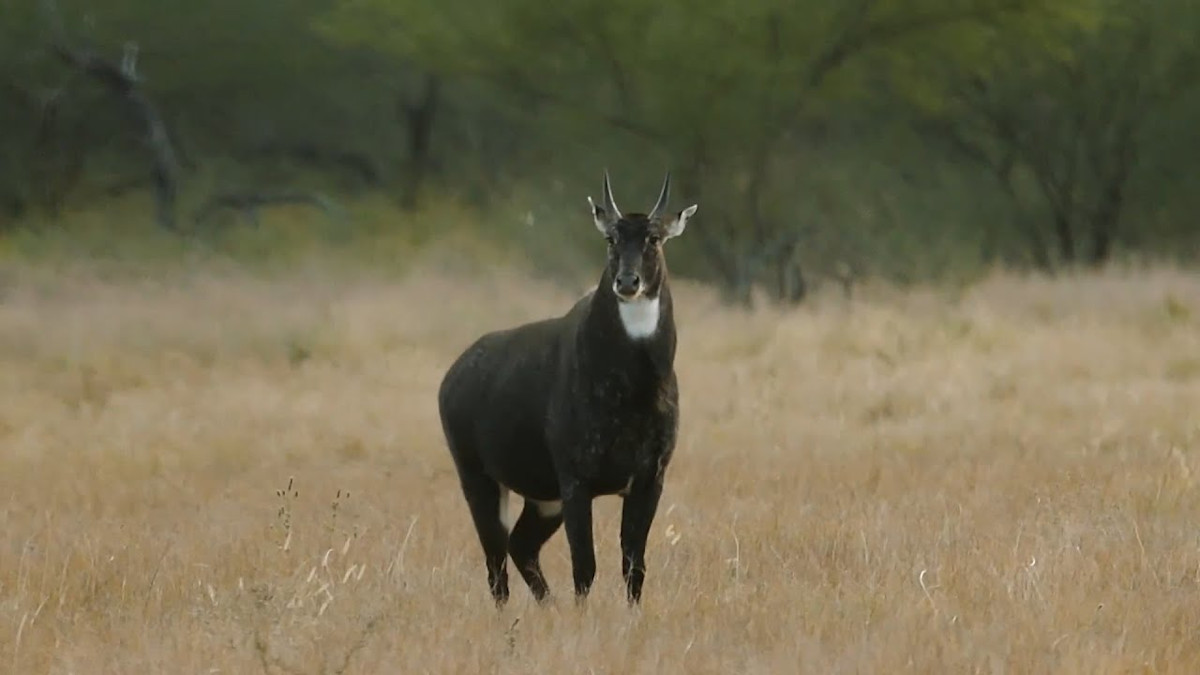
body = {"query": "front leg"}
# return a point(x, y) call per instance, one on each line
point(637, 514)
point(577, 519)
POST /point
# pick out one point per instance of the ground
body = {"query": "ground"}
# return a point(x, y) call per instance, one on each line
point(213, 471)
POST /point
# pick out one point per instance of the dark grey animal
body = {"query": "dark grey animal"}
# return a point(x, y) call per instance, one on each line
point(564, 410)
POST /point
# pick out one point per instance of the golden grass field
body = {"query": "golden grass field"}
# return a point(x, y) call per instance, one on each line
point(996, 480)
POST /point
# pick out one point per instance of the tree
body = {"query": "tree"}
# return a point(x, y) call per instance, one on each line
point(1060, 125)
point(90, 90)
point(728, 93)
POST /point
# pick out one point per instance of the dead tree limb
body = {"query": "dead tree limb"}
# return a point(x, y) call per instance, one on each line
point(123, 82)
point(360, 166)
point(247, 204)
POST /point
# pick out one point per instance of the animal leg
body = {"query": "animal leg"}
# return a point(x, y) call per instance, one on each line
point(484, 499)
point(577, 518)
point(637, 514)
point(537, 523)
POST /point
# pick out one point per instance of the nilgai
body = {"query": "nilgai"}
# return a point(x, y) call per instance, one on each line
point(567, 409)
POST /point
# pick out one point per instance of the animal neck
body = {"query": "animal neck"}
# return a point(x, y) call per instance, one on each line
point(632, 344)
point(639, 321)
point(640, 317)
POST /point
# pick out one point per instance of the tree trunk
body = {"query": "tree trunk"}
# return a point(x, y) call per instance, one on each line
point(1065, 234)
point(1106, 218)
point(419, 117)
point(1039, 252)
point(12, 208)
point(792, 287)
point(740, 287)
point(1036, 244)
point(1104, 222)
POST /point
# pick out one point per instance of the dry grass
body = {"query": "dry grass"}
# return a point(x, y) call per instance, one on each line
point(1002, 481)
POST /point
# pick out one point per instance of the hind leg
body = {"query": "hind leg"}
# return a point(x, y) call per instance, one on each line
point(488, 500)
point(538, 522)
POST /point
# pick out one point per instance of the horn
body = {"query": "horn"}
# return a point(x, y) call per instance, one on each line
point(663, 196)
point(610, 205)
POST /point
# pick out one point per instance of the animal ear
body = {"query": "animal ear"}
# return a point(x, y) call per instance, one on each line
point(605, 216)
point(675, 226)
point(600, 217)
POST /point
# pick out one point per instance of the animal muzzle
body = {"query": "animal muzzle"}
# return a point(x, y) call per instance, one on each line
point(627, 285)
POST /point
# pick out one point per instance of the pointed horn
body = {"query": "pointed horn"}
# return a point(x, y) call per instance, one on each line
point(663, 196)
point(610, 204)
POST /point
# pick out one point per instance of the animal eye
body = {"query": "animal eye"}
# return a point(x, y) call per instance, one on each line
point(609, 239)
point(654, 239)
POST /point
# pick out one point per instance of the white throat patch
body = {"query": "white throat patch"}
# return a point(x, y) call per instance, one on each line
point(640, 317)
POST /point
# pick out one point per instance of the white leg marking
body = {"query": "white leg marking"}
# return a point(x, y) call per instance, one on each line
point(548, 509)
point(625, 491)
point(506, 518)
point(640, 317)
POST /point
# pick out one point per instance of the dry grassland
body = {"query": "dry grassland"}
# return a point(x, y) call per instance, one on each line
point(998, 481)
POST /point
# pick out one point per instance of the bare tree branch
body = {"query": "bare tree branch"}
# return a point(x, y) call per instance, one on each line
point(860, 33)
point(166, 164)
point(361, 166)
point(517, 83)
point(123, 83)
point(248, 204)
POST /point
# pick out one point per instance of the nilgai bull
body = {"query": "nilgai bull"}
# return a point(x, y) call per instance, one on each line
point(567, 409)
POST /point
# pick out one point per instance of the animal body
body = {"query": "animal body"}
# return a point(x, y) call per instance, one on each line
point(566, 409)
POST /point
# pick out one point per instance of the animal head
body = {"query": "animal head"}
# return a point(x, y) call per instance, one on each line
point(635, 241)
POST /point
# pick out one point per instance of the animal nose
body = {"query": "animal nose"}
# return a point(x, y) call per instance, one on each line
point(628, 283)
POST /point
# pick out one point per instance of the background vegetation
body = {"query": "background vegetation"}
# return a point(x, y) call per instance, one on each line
point(824, 139)
point(241, 241)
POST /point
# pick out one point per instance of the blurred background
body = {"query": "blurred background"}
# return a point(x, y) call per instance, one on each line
point(825, 140)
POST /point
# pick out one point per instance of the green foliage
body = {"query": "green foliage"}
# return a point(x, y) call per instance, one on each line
point(1058, 114)
point(725, 93)
point(907, 138)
